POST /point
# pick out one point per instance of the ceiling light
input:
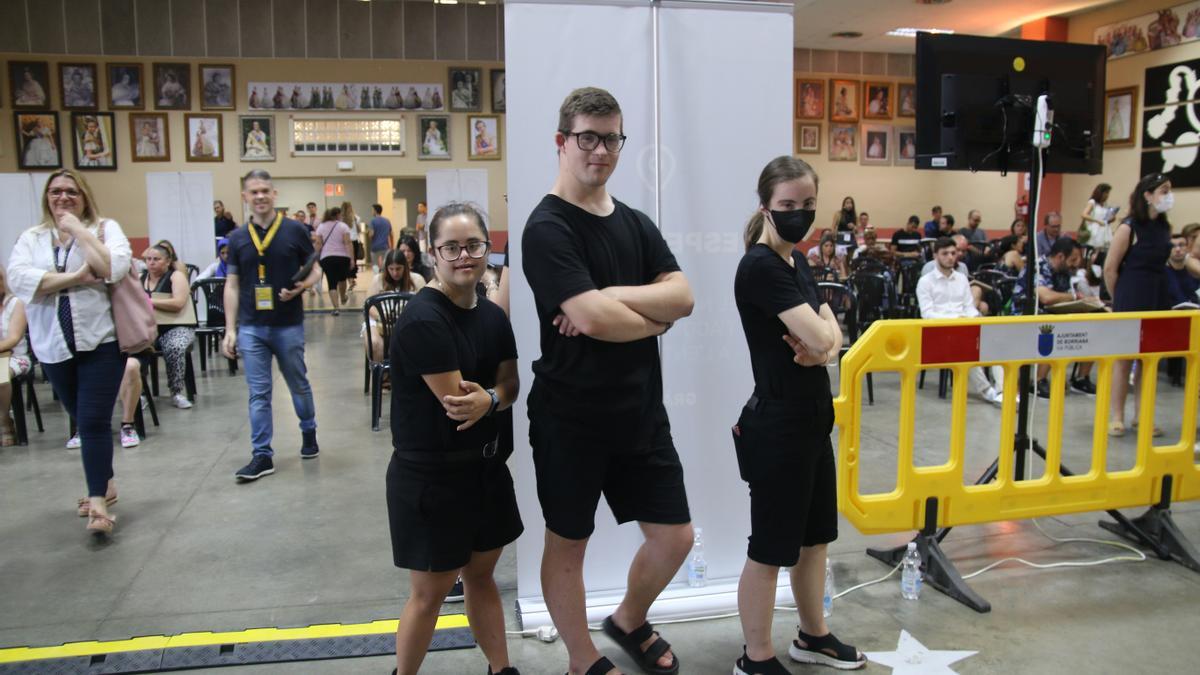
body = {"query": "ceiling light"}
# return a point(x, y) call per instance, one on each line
point(912, 32)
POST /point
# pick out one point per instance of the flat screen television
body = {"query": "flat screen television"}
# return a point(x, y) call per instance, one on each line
point(976, 98)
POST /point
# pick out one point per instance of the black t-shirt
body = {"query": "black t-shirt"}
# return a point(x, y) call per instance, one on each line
point(223, 225)
point(906, 242)
point(288, 252)
point(603, 389)
point(764, 286)
point(433, 335)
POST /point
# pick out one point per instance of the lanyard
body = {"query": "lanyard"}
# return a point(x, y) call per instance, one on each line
point(63, 267)
point(262, 244)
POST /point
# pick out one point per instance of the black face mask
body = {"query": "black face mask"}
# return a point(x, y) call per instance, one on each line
point(793, 226)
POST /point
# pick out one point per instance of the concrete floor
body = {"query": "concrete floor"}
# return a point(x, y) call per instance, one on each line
point(195, 551)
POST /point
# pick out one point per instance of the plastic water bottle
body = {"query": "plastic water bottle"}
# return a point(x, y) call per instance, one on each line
point(697, 568)
point(828, 600)
point(910, 573)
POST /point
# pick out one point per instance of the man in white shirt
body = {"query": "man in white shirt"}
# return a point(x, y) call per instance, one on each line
point(945, 293)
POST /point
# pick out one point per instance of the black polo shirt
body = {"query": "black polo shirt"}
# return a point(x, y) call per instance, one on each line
point(288, 252)
point(905, 241)
point(586, 387)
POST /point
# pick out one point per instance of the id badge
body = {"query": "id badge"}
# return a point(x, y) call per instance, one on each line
point(264, 297)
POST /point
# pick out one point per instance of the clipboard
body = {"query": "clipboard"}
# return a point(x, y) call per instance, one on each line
point(184, 317)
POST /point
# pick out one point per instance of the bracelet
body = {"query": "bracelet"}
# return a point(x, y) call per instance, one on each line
point(495, 402)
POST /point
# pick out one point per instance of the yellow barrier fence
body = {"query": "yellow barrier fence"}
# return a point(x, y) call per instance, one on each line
point(927, 495)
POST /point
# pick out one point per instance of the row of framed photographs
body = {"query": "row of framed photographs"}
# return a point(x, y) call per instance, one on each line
point(171, 89)
point(483, 133)
point(94, 139)
point(878, 100)
point(94, 142)
point(868, 144)
point(79, 86)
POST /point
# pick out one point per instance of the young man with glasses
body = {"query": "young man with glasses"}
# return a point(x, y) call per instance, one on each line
point(605, 285)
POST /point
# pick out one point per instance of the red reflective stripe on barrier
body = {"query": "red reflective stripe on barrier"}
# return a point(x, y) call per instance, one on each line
point(1166, 335)
point(949, 344)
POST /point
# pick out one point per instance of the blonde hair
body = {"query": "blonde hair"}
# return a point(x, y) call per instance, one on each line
point(90, 215)
point(348, 213)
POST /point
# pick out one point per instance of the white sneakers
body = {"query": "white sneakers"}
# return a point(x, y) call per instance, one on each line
point(129, 436)
point(992, 396)
point(73, 443)
point(180, 401)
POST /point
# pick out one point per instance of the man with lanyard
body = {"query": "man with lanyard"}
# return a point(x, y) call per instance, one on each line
point(270, 251)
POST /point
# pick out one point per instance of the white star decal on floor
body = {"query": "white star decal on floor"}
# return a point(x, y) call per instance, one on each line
point(913, 658)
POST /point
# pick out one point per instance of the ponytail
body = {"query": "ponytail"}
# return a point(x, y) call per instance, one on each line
point(754, 228)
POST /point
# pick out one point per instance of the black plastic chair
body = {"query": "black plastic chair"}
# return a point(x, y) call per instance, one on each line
point(844, 306)
point(192, 272)
point(20, 406)
point(876, 300)
point(908, 274)
point(387, 308)
point(211, 330)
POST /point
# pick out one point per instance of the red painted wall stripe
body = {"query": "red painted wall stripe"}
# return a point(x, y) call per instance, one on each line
point(1166, 335)
point(950, 344)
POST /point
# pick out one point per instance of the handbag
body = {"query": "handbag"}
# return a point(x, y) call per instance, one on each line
point(133, 315)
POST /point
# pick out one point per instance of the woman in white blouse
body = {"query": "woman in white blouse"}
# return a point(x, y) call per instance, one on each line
point(59, 268)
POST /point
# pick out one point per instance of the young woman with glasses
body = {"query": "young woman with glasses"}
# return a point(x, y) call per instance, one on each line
point(451, 503)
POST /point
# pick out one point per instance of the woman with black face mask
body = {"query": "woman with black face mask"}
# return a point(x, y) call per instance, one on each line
point(782, 435)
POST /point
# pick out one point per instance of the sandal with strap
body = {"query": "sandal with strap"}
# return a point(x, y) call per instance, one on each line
point(85, 504)
point(632, 641)
point(826, 650)
point(99, 523)
point(1156, 432)
point(600, 667)
point(1116, 429)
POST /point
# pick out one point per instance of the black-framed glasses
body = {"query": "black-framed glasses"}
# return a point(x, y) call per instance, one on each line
point(589, 140)
point(453, 251)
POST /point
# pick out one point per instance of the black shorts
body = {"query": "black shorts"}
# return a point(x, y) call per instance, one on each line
point(784, 453)
point(337, 269)
point(642, 481)
point(440, 514)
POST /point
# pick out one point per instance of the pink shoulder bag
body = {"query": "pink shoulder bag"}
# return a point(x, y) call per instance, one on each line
point(133, 315)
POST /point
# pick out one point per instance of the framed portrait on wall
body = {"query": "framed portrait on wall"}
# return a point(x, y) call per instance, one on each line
point(125, 83)
point(1120, 112)
point(499, 90)
point(256, 135)
point(904, 145)
point(95, 142)
point(78, 84)
point(465, 89)
point(203, 138)
point(843, 142)
point(435, 136)
point(878, 101)
point(172, 86)
point(217, 86)
point(876, 144)
point(808, 138)
point(485, 136)
point(843, 100)
point(38, 145)
point(29, 84)
point(810, 99)
point(906, 96)
point(149, 138)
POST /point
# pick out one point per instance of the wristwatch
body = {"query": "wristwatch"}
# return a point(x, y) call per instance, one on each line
point(495, 402)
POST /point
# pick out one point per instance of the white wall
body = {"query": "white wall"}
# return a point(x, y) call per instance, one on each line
point(705, 190)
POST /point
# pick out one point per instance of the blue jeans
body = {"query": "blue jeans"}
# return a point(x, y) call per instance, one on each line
point(87, 385)
point(256, 345)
